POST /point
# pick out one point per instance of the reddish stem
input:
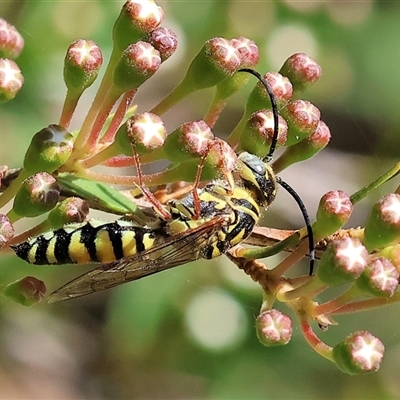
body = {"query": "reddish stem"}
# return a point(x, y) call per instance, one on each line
point(70, 103)
point(125, 103)
point(214, 112)
point(313, 340)
point(368, 304)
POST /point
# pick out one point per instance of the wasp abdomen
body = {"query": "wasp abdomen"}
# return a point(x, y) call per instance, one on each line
point(92, 241)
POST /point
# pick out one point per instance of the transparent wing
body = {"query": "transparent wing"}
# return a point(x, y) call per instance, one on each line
point(173, 251)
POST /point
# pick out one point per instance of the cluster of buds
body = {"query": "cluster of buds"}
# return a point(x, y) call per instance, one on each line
point(11, 45)
point(58, 178)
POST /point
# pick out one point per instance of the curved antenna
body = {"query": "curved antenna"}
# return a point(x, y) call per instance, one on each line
point(268, 158)
point(306, 217)
point(274, 109)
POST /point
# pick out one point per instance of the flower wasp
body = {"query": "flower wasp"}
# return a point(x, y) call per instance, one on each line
point(206, 223)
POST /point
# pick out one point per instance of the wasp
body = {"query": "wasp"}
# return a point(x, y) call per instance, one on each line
point(204, 224)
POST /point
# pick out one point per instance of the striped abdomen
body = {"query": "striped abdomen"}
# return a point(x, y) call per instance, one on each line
point(92, 241)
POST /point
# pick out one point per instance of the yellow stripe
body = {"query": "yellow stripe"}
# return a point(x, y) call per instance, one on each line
point(32, 253)
point(128, 243)
point(148, 241)
point(50, 253)
point(77, 250)
point(104, 247)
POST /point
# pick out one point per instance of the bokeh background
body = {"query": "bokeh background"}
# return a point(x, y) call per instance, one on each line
point(189, 333)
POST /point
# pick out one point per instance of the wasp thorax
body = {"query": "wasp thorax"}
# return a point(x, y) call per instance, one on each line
point(258, 177)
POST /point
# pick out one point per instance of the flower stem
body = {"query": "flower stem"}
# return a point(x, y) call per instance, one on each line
point(70, 103)
point(214, 111)
point(101, 94)
point(290, 260)
point(317, 344)
point(177, 94)
point(124, 105)
point(310, 288)
point(330, 306)
point(11, 191)
point(234, 138)
point(360, 194)
point(363, 305)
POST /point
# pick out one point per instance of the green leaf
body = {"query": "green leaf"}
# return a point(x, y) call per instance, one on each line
point(104, 195)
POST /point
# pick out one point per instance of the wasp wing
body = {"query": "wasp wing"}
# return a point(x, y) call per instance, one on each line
point(167, 253)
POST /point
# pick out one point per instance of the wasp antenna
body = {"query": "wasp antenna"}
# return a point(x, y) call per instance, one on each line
point(272, 148)
point(306, 217)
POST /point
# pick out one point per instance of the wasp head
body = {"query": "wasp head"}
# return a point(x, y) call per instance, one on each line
point(257, 177)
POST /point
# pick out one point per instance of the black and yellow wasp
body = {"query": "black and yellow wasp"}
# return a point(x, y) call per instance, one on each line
point(204, 224)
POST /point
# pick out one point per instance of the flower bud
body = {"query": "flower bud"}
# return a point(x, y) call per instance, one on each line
point(302, 118)
point(380, 278)
point(138, 62)
point(259, 97)
point(26, 291)
point(333, 212)
point(146, 132)
point(11, 80)
point(11, 42)
point(305, 149)
point(343, 261)
point(72, 209)
point(259, 132)
point(249, 56)
point(136, 20)
point(216, 61)
point(164, 40)
point(302, 71)
point(248, 50)
point(6, 230)
point(273, 328)
point(191, 139)
point(82, 64)
point(383, 224)
point(359, 353)
point(392, 253)
point(220, 157)
point(49, 149)
point(38, 194)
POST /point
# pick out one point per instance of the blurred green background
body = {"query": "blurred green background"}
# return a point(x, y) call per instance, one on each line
point(189, 333)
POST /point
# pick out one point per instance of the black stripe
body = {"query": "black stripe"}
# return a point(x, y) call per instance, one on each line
point(22, 250)
point(41, 250)
point(245, 222)
point(139, 234)
point(88, 237)
point(61, 248)
point(246, 204)
point(114, 231)
point(207, 251)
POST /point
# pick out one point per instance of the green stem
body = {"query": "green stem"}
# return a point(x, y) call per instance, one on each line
point(234, 138)
point(32, 232)
point(359, 195)
point(253, 254)
point(178, 94)
point(309, 289)
point(12, 190)
point(13, 216)
point(331, 306)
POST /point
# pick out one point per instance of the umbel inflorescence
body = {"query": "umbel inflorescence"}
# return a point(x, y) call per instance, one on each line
point(208, 200)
